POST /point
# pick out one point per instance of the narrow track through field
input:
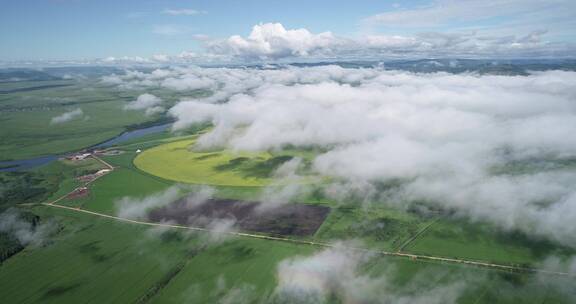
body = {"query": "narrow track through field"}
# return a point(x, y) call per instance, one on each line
point(413, 257)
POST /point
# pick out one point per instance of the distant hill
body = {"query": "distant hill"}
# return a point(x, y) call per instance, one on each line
point(58, 73)
point(14, 75)
point(513, 67)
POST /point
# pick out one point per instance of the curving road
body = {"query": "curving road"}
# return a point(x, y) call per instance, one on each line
point(109, 166)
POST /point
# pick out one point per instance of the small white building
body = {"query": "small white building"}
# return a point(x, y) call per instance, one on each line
point(102, 172)
point(80, 156)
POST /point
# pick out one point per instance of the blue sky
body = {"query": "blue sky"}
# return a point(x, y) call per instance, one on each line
point(75, 29)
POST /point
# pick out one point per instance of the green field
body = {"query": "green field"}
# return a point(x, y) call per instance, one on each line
point(26, 113)
point(457, 238)
point(91, 259)
point(178, 161)
point(26, 119)
point(86, 261)
point(104, 261)
point(87, 258)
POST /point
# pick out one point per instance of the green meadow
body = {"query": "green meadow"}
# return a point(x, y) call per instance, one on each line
point(91, 259)
point(179, 162)
point(104, 261)
point(27, 109)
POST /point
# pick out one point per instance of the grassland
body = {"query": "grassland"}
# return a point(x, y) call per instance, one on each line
point(26, 119)
point(377, 226)
point(382, 228)
point(95, 260)
point(177, 161)
point(458, 238)
point(89, 256)
point(86, 262)
point(248, 264)
point(27, 108)
point(104, 261)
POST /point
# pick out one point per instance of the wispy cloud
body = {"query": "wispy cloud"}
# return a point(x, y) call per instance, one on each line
point(26, 232)
point(138, 208)
point(510, 17)
point(335, 273)
point(67, 116)
point(183, 12)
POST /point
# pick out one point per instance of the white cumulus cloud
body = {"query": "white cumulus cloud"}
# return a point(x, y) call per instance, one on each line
point(272, 40)
point(148, 102)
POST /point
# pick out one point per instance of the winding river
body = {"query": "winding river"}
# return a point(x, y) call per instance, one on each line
point(26, 164)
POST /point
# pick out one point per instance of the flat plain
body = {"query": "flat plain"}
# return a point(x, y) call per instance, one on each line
point(91, 258)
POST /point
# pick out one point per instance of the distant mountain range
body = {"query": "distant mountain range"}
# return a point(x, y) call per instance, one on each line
point(492, 67)
point(15, 75)
point(55, 73)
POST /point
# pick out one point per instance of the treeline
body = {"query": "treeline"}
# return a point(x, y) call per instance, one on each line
point(169, 276)
point(9, 246)
point(17, 187)
point(21, 187)
point(9, 243)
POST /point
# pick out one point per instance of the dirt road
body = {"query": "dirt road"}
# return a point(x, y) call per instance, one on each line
point(106, 164)
point(399, 253)
point(413, 257)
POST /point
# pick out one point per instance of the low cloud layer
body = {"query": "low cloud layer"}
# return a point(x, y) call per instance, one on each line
point(566, 286)
point(334, 273)
point(26, 232)
point(147, 102)
point(139, 208)
point(67, 116)
point(286, 187)
point(135, 208)
point(489, 147)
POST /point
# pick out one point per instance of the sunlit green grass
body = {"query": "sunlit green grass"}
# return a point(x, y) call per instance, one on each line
point(106, 261)
point(460, 239)
point(26, 116)
point(92, 259)
point(177, 161)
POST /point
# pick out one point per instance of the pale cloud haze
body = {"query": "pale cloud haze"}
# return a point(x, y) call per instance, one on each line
point(67, 116)
point(147, 102)
point(444, 135)
point(183, 12)
point(335, 272)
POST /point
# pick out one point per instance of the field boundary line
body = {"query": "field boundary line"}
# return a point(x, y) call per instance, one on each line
point(413, 257)
point(86, 184)
point(102, 161)
point(415, 236)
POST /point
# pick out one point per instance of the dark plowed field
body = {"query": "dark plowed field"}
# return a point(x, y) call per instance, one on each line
point(290, 219)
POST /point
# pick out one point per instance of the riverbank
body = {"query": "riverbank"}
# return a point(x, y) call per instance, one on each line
point(31, 163)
